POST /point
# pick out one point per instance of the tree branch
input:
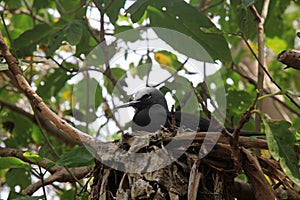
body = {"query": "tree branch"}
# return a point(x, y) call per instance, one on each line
point(10, 152)
point(59, 176)
point(59, 173)
point(262, 189)
point(38, 102)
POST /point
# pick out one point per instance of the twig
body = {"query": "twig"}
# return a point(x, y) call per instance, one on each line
point(194, 180)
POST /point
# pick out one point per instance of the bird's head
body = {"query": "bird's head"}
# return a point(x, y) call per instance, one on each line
point(145, 98)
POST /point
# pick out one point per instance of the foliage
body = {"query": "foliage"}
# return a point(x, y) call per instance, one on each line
point(53, 39)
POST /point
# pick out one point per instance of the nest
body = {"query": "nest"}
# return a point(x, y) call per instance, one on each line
point(189, 165)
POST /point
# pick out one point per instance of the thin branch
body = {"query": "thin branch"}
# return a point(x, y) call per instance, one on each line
point(102, 11)
point(59, 176)
point(234, 142)
point(265, 9)
point(7, 33)
point(26, 12)
point(62, 67)
point(252, 81)
point(18, 110)
point(260, 19)
point(245, 118)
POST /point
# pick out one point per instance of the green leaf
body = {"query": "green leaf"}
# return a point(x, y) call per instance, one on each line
point(21, 132)
point(188, 21)
point(38, 4)
point(142, 69)
point(13, 4)
point(114, 9)
point(100, 55)
point(77, 157)
point(73, 32)
point(179, 16)
point(36, 135)
point(67, 6)
point(247, 3)
point(32, 38)
point(118, 74)
point(12, 162)
point(86, 43)
point(68, 195)
point(53, 83)
point(66, 31)
point(20, 177)
point(98, 96)
point(35, 158)
point(87, 94)
point(281, 143)
point(132, 37)
point(137, 10)
point(17, 196)
point(21, 23)
point(238, 101)
point(275, 16)
point(55, 43)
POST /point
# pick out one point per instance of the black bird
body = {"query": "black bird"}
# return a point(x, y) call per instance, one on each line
point(152, 113)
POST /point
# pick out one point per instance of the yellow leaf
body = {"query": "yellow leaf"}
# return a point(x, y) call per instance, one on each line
point(67, 95)
point(162, 59)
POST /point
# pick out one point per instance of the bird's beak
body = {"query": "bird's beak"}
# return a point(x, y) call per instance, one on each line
point(129, 104)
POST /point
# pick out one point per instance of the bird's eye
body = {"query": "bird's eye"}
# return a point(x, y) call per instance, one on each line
point(146, 96)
